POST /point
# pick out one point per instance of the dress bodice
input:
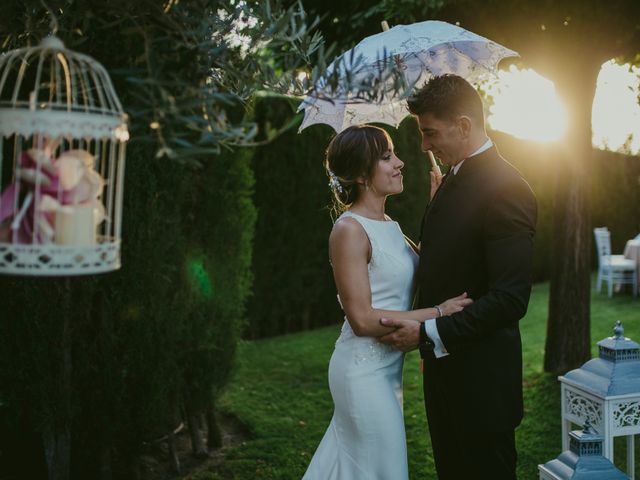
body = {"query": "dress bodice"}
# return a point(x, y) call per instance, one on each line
point(392, 265)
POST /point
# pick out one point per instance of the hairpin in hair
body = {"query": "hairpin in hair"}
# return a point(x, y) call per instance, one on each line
point(334, 182)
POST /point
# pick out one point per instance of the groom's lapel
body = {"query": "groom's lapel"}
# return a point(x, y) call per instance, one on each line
point(446, 180)
point(445, 183)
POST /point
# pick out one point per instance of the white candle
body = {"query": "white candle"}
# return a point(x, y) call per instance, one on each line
point(75, 225)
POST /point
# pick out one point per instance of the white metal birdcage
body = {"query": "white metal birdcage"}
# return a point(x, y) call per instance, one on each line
point(62, 158)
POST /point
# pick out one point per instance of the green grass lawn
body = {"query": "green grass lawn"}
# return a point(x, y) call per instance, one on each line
point(280, 392)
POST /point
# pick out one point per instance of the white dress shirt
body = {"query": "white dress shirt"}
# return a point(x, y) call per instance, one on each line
point(430, 326)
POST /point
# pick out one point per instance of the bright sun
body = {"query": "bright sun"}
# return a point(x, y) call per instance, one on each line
point(616, 113)
point(525, 104)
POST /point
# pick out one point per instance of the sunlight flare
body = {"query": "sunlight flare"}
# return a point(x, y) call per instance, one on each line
point(616, 113)
point(525, 105)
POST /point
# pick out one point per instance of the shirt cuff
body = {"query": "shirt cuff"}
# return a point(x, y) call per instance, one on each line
point(431, 329)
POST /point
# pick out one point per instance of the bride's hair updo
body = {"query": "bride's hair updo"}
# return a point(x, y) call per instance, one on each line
point(351, 154)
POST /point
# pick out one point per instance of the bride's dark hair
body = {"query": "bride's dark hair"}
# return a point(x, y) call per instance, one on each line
point(351, 154)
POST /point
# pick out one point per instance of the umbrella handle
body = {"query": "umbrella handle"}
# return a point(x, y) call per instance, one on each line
point(434, 165)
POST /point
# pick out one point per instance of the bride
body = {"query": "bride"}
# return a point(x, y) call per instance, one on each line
point(373, 267)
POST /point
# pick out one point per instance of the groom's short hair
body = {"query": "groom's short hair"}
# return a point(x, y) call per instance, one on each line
point(446, 97)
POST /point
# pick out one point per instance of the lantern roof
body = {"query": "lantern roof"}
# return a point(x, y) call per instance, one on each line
point(584, 460)
point(615, 372)
point(618, 347)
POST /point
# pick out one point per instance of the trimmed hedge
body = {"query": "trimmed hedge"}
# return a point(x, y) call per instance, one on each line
point(92, 367)
point(138, 340)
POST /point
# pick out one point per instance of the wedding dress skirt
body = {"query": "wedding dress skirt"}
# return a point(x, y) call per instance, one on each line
point(366, 437)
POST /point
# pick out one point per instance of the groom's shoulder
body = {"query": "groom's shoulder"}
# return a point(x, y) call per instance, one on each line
point(507, 177)
point(507, 172)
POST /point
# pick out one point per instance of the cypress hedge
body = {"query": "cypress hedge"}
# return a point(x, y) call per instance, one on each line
point(108, 363)
point(93, 369)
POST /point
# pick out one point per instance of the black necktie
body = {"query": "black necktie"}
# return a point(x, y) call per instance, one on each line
point(445, 182)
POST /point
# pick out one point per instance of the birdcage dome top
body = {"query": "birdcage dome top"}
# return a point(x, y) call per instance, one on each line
point(49, 89)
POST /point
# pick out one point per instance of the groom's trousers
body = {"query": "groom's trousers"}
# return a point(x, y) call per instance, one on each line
point(462, 450)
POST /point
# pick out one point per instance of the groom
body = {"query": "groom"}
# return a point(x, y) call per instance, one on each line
point(476, 237)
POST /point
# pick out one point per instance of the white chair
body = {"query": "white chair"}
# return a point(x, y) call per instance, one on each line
point(614, 269)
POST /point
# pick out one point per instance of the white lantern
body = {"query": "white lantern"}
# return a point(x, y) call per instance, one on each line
point(62, 158)
point(606, 392)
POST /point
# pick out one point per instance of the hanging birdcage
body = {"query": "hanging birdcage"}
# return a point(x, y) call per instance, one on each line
point(62, 158)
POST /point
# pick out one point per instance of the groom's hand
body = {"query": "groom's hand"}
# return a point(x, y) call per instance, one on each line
point(406, 337)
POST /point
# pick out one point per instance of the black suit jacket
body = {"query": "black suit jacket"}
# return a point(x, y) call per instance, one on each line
point(477, 236)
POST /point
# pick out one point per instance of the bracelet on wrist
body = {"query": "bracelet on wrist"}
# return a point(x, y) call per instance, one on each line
point(439, 310)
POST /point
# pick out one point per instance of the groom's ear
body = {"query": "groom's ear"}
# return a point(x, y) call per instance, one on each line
point(464, 126)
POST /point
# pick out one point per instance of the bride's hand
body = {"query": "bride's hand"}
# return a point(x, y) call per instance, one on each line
point(436, 180)
point(455, 304)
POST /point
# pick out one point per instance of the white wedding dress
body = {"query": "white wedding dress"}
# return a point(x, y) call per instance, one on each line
point(366, 436)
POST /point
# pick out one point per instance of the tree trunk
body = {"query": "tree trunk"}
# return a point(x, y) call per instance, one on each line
point(106, 472)
point(133, 468)
point(173, 452)
point(106, 332)
point(568, 328)
point(197, 440)
point(214, 435)
point(57, 450)
point(57, 435)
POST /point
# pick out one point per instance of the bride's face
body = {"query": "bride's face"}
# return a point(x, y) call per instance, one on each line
point(387, 176)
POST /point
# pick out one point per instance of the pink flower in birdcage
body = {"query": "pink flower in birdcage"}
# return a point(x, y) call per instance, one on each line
point(48, 191)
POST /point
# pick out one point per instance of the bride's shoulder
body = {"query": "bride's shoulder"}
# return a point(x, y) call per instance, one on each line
point(346, 225)
point(347, 228)
point(348, 239)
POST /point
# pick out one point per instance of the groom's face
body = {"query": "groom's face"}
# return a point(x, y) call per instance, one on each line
point(443, 137)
